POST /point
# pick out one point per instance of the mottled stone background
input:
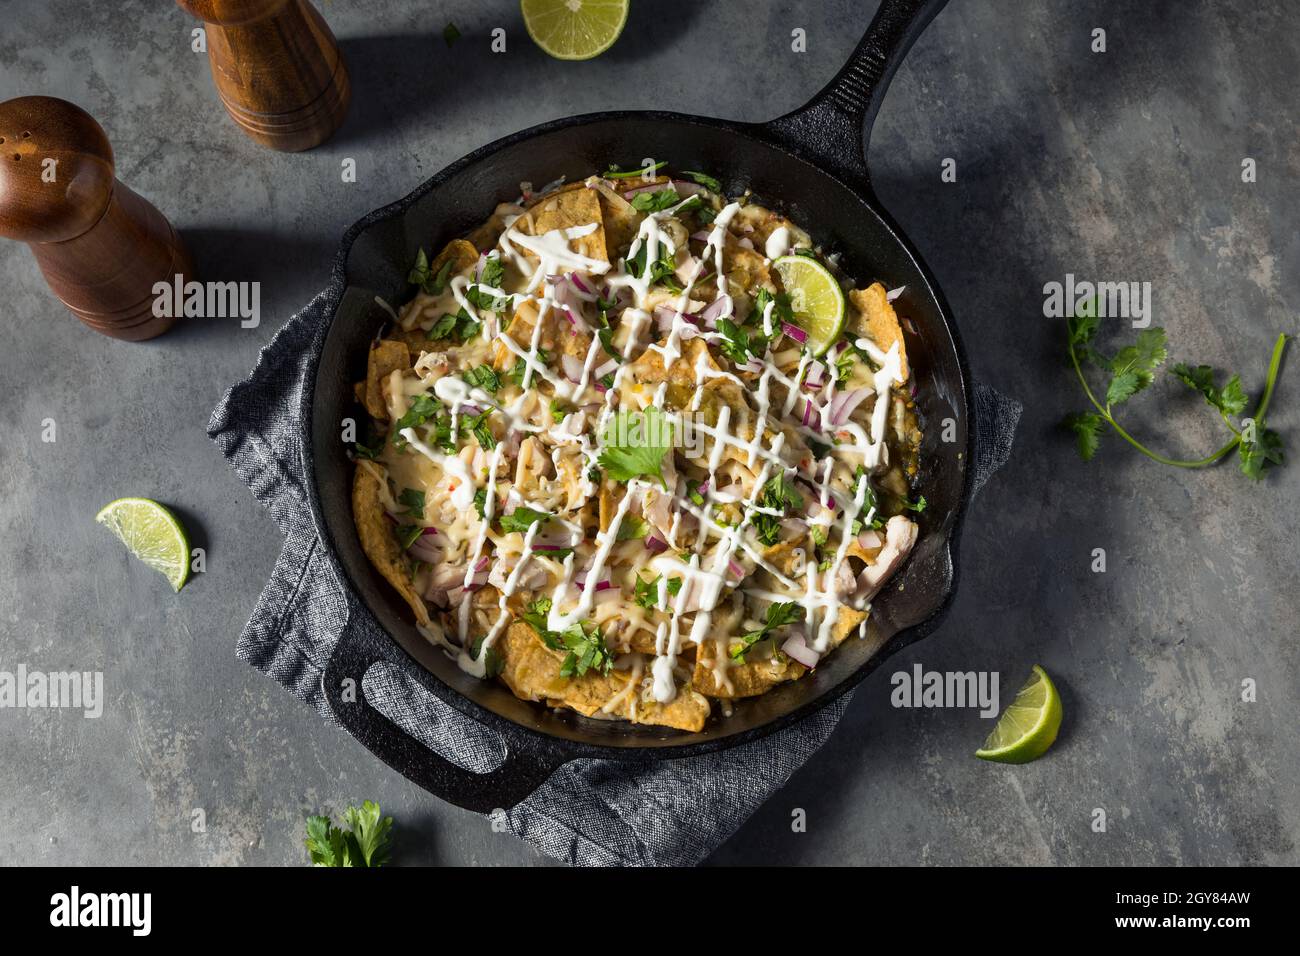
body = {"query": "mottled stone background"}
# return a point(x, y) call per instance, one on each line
point(1123, 165)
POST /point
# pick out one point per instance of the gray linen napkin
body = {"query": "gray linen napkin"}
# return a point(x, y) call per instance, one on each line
point(590, 812)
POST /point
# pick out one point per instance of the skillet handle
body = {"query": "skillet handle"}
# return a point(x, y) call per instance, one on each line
point(363, 644)
point(830, 128)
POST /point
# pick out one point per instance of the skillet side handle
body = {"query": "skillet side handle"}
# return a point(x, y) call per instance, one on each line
point(364, 644)
point(831, 127)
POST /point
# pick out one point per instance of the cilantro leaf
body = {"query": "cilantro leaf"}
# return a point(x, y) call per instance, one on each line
point(521, 366)
point(737, 344)
point(1133, 367)
point(708, 182)
point(480, 502)
point(584, 641)
point(647, 591)
point(486, 292)
point(655, 201)
point(482, 376)
point(365, 842)
point(1087, 430)
point(461, 326)
point(370, 831)
point(634, 445)
point(1256, 453)
point(778, 615)
point(477, 425)
point(632, 527)
point(779, 494)
point(521, 519)
point(1231, 399)
point(414, 501)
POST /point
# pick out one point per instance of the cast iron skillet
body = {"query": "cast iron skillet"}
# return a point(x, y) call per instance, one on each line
point(811, 164)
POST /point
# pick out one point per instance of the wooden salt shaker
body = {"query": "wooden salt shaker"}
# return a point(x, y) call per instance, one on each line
point(277, 67)
point(101, 247)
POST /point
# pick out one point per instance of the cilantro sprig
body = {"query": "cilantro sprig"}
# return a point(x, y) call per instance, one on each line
point(778, 615)
point(634, 445)
point(364, 841)
point(583, 641)
point(1133, 369)
point(779, 494)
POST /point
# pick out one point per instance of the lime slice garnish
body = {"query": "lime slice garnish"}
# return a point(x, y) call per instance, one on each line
point(152, 534)
point(817, 300)
point(1028, 727)
point(574, 29)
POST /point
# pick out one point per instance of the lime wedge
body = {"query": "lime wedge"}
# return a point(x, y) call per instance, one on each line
point(817, 300)
point(152, 534)
point(574, 29)
point(1028, 727)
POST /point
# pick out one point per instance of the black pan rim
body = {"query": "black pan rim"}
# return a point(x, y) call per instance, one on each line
point(668, 747)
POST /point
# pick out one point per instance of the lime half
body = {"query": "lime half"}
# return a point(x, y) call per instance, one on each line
point(1028, 727)
point(152, 534)
point(574, 29)
point(817, 300)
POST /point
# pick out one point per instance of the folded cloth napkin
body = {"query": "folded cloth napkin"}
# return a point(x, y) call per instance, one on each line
point(590, 812)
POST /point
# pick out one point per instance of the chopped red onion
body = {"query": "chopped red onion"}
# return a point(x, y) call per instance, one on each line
point(736, 568)
point(893, 294)
point(816, 375)
point(573, 277)
point(424, 551)
point(572, 367)
point(869, 539)
point(605, 369)
point(701, 236)
point(843, 404)
point(796, 647)
point(796, 333)
point(719, 308)
point(655, 545)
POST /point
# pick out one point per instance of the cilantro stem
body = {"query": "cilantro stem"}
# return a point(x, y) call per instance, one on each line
point(1274, 365)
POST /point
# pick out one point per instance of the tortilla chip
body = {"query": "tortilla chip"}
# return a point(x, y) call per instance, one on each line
point(648, 369)
point(379, 540)
point(746, 269)
point(877, 320)
point(460, 252)
point(749, 679)
point(609, 502)
point(558, 337)
point(386, 356)
point(845, 624)
point(532, 671)
point(565, 209)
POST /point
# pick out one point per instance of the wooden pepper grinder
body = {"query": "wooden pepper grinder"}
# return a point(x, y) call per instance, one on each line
point(100, 246)
point(277, 67)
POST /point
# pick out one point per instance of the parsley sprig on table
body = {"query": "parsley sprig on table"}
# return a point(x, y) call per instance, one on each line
point(364, 841)
point(1133, 368)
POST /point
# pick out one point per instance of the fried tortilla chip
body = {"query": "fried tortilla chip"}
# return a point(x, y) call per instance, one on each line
point(532, 671)
point(648, 368)
point(565, 209)
point(558, 337)
point(876, 319)
point(749, 679)
point(379, 540)
point(386, 356)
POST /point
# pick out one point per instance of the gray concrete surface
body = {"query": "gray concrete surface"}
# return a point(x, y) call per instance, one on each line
point(1123, 165)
